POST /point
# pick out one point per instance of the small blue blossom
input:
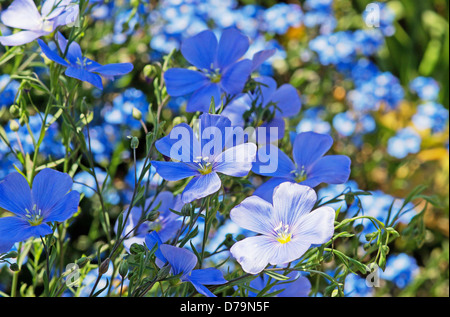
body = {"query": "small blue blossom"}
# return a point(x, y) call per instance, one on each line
point(281, 16)
point(405, 142)
point(431, 115)
point(49, 200)
point(8, 90)
point(400, 269)
point(425, 87)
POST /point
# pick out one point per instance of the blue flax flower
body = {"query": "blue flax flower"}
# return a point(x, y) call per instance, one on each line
point(220, 70)
point(83, 68)
point(203, 158)
point(183, 262)
point(287, 227)
point(425, 87)
point(400, 269)
point(49, 200)
point(310, 166)
point(23, 14)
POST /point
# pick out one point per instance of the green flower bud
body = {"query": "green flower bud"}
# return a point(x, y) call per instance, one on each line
point(163, 272)
point(137, 248)
point(150, 71)
point(14, 267)
point(134, 142)
point(15, 111)
point(123, 268)
point(10, 255)
point(81, 262)
point(152, 216)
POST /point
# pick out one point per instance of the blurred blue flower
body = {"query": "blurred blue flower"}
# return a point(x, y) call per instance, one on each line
point(431, 115)
point(386, 18)
point(121, 113)
point(355, 286)
point(400, 269)
point(8, 90)
point(281, 16)
point(425, 87)
point(405, 142)
point(320, 13)
point(313, 120)
point(296, 286)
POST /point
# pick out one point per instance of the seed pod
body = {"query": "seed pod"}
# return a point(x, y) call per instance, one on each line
point(104, 267)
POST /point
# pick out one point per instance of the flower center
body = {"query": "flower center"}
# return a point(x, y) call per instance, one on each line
point(34, 217)
point(300, 175)
point(83, 63)
point(46, 25)
point(214, 75)
point(282, 232)
point(203, 166)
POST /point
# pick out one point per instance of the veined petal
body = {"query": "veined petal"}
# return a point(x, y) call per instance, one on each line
point(288, 101)
point(209, 276)
point(200, 50)
point(265, 91)
point(65, 208)
point(49, 187)
point(113, 69)
point(15, 229)
point(292, 202)
point(181, 260)
point(265, 191)
point(235, 77)
point(52, 55)
point(201, 289)
point(174, 171)
point(254, 214)
point(84, 75)
point(202, 98)
point(253, 253)
point(15, 194)
point(20, 38)
point(271, 131)
point(181, 144)
point(309, 147)
point(288, 252)
point(260, 57)
point(236, 161)
point(180, 81)
point(201, 186)
point(330, 169)
point(22, 14)
point(317, 227)
point(232, 46)
point(150, 240)
point(74, 54)
point(271, 161)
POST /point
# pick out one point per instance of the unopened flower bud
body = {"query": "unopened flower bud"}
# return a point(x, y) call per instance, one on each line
point(10, 255)
point(14, 267)
point(150, 71)
point(14, 126)
point(134, 142)
point(81, 262)
point(137, 248)
point(163, 272)
point(123, 268)
point(152, 216)
point(137, 114)
point(15, 111)
point(104, 267)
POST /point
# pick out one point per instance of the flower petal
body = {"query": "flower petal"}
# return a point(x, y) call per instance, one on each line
point(253, 253)
point(113, 69)
point(49, 187)
point(84, 75)
point(174, 171)
point(292, 201)
point(20, 38)
point(235, 77)
point(201, 186)
point(317, 227)
point(65, 208)
point(52, 55)
point(150, 240)
point(181, 260)
point(288, 101)
point(15, 194)
point(254, 214)
point(180, 81)
point(236, 161)
point(260, 57)
point(271, 161)
point(265, 191)
point(213, 133)
point(309, 147)
point(232, 46)
point(200, 50)
point(202, 98)
point(181, 144)
point(330, 169)
point(22, 14)
point(209, 276)
point(14, 229)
